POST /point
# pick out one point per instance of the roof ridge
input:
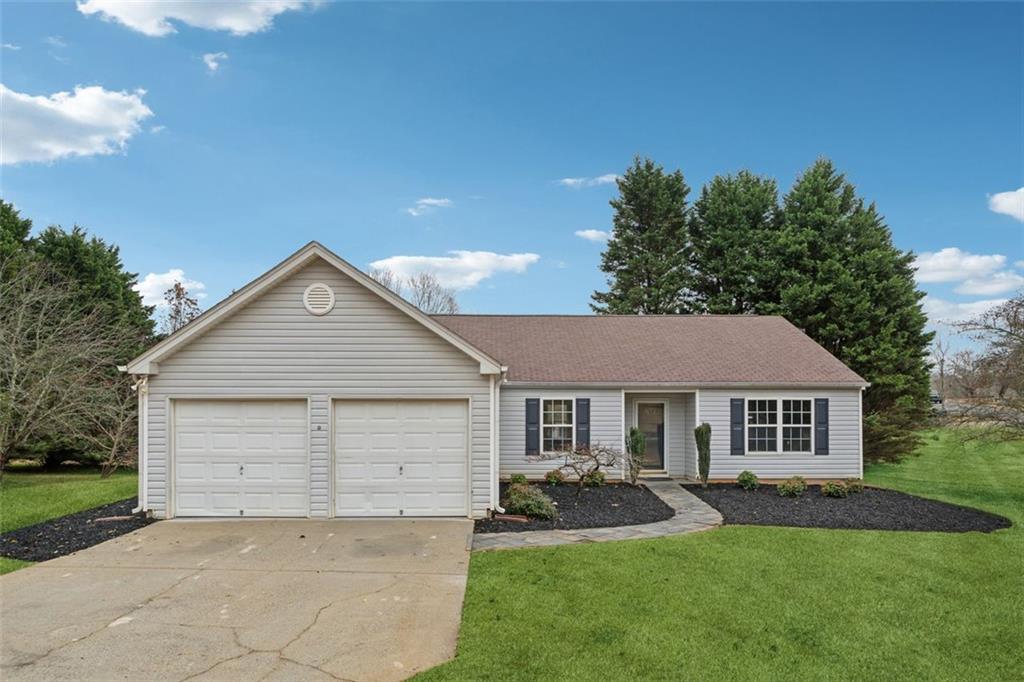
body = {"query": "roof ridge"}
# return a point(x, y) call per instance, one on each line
point(616, 315)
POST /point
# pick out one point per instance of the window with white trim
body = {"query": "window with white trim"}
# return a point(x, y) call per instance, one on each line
point(556, 425)
point(796, 425)
point(762, 426)
point(766, 433)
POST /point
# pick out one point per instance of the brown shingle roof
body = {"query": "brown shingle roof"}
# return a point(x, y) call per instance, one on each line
point(651, 349)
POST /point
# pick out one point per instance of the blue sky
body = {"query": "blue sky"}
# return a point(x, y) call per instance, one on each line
point(332, 121)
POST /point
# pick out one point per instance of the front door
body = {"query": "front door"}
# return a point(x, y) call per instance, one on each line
point(650, 419)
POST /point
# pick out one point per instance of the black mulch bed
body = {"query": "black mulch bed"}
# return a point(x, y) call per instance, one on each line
point(873, 509)
point(617, 504)
point(70, 533)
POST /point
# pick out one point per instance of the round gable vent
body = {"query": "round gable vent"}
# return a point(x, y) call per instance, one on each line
point(318, 298)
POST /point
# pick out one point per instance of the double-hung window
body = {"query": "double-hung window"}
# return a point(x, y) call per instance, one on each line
point(767, 433)
point(556, 425)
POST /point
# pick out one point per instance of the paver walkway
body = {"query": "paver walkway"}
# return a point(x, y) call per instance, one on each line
point(692, 515)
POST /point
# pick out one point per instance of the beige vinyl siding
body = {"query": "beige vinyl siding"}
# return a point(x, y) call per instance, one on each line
point(605, 427)
point(678, 428)
point(363, 348)
point(843, 460)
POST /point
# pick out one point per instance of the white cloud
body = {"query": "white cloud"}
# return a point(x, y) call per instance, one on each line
point(153, 286)
point(593, 235)
point(11, 46)
point(89, 121)
point(154, 17)
point(939, 310)
point(157, 129)
point(1008, 203)
point(996, 283)
point(55, 41)
point(213, 59)
point(953, 265)
point(460, 269)
point(576, 183)
point(428, 204)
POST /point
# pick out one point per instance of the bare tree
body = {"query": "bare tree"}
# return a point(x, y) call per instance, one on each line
point(424, 290)
point(181, 308)
point(941, 352)
point(387, 278)
point(51, 352)
point(998, 409)
point(428, 294)
point(111, 425)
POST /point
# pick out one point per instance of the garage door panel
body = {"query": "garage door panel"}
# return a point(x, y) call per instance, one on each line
point(234, 457)
point(396, 457)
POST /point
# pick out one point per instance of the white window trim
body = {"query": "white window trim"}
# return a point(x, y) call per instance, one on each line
point(778, 430)
point(571, 425)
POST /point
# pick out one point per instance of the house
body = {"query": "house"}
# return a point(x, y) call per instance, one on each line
point(313, 391)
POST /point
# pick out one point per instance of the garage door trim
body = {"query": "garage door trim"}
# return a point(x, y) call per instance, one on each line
point(170, 424)
point(414, 397)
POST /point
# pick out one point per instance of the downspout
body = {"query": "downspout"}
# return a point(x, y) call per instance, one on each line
point(141, 386)
point(495, 452)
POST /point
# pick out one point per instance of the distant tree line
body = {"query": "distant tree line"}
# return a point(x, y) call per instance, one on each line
point(821, 256)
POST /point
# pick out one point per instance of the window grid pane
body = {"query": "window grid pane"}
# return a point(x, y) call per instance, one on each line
point(557, 425)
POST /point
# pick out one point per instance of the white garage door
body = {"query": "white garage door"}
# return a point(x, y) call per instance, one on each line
point(240, 458)
point(400, 458)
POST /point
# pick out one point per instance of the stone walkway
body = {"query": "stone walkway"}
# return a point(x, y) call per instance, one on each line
point(692, 515)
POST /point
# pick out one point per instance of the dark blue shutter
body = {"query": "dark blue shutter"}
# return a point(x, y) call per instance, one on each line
point(583, 422)
point(736, 426)
point(821, 426)
point(532, 426)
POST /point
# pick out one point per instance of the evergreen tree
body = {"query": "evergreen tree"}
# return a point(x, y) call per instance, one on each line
point(734, 223)
point(836, 274)
point(101, 283)
point(14, 231)
point(647, 257)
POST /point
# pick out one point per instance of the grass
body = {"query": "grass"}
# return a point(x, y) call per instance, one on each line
point(768, 603)
point(30, 497)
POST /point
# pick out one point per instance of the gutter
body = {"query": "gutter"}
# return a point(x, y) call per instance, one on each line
point(141, 387)
point(495, 401)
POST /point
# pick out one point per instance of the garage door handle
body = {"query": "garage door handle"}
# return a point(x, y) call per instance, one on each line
point(401, 469)
point(241, 469)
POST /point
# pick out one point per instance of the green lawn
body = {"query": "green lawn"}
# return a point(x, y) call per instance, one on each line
point(29, 497)
point(768, 603)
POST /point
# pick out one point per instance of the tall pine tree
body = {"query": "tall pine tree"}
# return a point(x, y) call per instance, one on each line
point(734, 223)
point(647, 257)
point(837, 275)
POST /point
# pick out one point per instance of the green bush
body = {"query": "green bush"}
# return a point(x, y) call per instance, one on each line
point(834, 489)
point(636, 446)
point(595, 479)
point(554, 477)
point(529, 501)
point(854, 485)
point(792, 487)
point(518, 478)
point(747, 480)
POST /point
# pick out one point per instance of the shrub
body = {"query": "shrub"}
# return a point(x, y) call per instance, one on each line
point(636, 446)
point(518, 478)
point(702, 434)
point(595, 479)
point(854, 485)
point(554, 477)
point(792, 487)
point(747, 480)
point(583, 461)
point(834, 489)
point(529, 501)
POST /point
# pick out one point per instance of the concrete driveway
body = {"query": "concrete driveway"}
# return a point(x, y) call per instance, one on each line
point(231, 600)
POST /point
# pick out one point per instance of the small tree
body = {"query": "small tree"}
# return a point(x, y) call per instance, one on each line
point(584, 462)
point(636, 446)
point(181, 308)
point(702, 434)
